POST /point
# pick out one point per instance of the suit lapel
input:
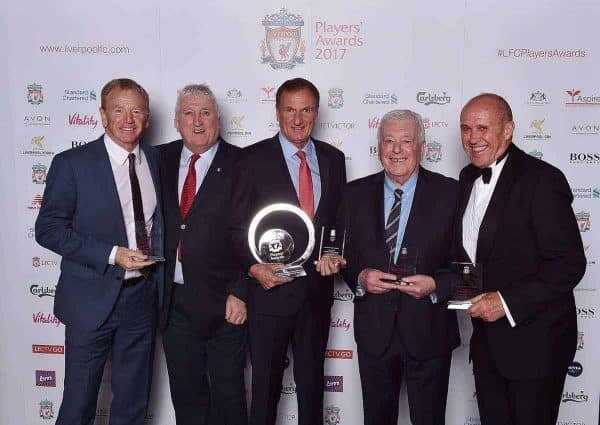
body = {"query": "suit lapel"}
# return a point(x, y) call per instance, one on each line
point(153, 166)
point(324, 171)
point(280, 168)
point(213, 182)
point(171, 178)
point(104, 173)
point(418, 211)
point(375, 197)
point(466, 186)
point(493, 214)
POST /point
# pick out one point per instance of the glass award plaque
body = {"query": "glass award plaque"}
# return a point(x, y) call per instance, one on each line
point(467, 283)
point(332, 241)
point(404, 265)
point(277, 245)
point(150, 243)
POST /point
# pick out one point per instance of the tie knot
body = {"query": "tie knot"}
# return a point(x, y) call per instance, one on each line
point(485, 173)
point(131, 157)
point(301, 155)
point(194, 158)
point(398, 194)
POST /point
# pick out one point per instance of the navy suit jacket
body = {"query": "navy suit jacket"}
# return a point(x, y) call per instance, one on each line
point(428, 330)
point(262, 178)
point(531, 251)
point(210, 270)
point(81, 220)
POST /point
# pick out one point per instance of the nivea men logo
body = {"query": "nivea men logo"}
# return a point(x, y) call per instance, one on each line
point(575, 369)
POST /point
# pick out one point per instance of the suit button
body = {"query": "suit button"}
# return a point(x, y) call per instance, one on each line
point(182, 227)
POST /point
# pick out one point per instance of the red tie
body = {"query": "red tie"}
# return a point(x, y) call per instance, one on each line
point(188, 193)
point(307, 200)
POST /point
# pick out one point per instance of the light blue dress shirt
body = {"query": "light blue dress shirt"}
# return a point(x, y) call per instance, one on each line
point(408, 194)
point(293, 164)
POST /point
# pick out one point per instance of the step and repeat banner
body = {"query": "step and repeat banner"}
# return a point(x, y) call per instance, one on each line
point(366, 58)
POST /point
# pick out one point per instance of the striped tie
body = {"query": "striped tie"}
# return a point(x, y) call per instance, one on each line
point(391, 227)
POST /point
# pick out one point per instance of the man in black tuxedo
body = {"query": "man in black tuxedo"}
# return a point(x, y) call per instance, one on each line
point(402, 329)
point(291, 168)
point(515, 219)
point(204, 335)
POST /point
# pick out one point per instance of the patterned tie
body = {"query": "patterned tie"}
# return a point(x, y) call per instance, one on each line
point(141, 237)
point(307, 200)
point(187, 194)
point(391, 227)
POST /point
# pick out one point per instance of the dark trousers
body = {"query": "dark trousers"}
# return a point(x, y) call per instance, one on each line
point(505, 401)
point(206, 373)
point(128, 334)
point(308, 332)
point(426, 385)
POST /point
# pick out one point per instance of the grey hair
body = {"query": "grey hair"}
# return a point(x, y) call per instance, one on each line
point(196, 90)
point(399, 115)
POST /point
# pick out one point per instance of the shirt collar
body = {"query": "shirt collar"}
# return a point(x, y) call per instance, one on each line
point(118, 154)
point(186, 154)
point(289, 149)
point(407, 187)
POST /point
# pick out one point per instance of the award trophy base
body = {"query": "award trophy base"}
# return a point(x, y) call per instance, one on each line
point(291, 271)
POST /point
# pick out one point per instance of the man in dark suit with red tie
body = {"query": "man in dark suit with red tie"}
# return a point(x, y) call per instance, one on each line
point(204, 335)
point(289, 168)
point(101, 212)
point(515, 219)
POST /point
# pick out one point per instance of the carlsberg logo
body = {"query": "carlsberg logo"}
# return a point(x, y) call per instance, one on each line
point(42, 291)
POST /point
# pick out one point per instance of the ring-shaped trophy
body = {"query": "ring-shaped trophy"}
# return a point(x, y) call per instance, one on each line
point(277, 245)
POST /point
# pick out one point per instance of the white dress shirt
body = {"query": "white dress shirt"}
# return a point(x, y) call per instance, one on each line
point(202, 165)
point(119, 163)
point(481, 194)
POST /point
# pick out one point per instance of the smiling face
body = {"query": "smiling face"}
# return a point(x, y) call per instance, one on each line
point(197, 120)
point(486, 130)
point(400, 149)
point(297, 113)
point(124, 117)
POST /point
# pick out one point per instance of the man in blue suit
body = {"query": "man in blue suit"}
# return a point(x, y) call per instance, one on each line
point(100, 211)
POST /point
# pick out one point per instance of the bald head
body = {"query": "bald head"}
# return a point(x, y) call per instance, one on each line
point(486, 128)
point(492, 101)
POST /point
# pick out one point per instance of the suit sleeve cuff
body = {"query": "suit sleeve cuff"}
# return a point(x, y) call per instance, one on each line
point(112, 256)
point(507, 311)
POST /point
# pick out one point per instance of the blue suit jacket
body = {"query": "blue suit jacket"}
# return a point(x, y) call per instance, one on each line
point(81, 220)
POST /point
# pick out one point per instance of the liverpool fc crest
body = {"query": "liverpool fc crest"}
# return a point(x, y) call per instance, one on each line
point(283, 46)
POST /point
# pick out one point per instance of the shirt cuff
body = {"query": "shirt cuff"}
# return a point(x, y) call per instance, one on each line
point(360, 290)
point(507, 311)
point(112, 256)
point(433, 297)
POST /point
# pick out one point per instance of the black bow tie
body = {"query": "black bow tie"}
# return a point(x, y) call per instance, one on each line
point(485, 173)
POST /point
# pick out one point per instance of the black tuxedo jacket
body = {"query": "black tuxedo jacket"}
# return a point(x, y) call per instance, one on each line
point(210, 270)
point(428, 329)
point(263, 179)
point(531, 251)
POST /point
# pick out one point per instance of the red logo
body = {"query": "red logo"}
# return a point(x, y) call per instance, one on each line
point(338, 354)
point(47, 349)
